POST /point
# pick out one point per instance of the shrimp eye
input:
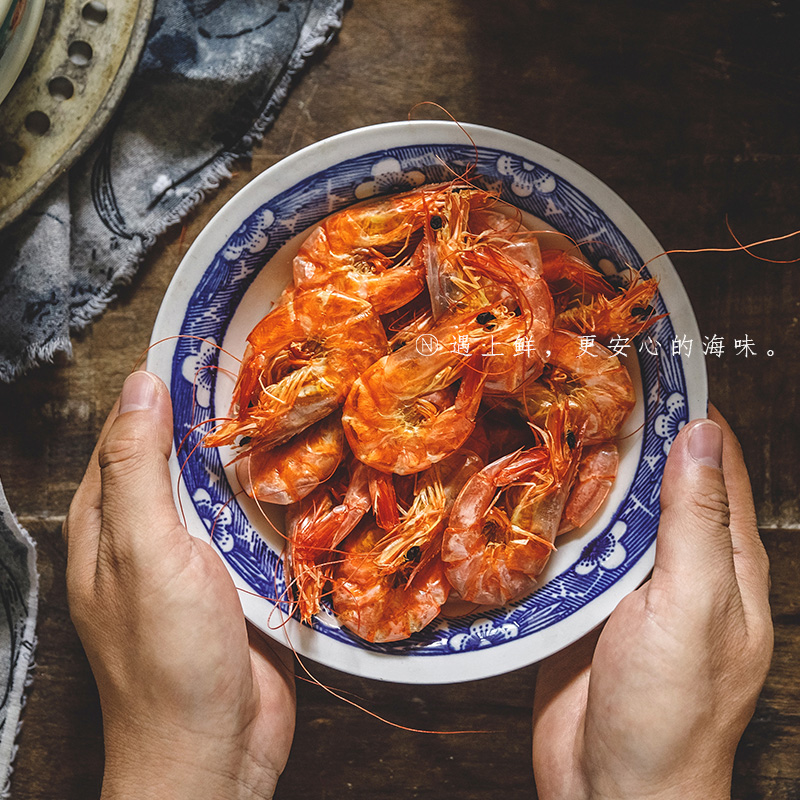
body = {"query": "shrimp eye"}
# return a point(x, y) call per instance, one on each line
point(436, 222)
point(413, 553)
point(517, 311)
point(244, 441)
point(571, 440)
point(485, 318)
point(639, 311)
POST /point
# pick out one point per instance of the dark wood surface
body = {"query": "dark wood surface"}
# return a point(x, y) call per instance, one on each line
point(689, 111)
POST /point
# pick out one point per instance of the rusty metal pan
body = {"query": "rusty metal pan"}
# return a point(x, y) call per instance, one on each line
point(83, 58)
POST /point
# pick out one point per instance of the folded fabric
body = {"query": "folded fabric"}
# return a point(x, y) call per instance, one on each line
point(19, 592)
point(211, 79)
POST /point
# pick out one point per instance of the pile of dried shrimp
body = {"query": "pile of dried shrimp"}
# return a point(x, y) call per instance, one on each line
point(434, 401)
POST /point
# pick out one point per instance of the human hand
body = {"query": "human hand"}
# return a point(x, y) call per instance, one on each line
point(656, 711)
point(190, 707)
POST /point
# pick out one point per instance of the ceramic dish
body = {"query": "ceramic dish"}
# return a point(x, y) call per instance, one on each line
point(241, 262)
point(18, 27)
point(10, 16)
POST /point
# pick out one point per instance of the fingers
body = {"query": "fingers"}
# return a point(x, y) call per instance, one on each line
point(267, 651)
point(694, 547)
point(559, 714)
point(567, 668)
point(749, 557)
point(138, 510)
point(273, 669)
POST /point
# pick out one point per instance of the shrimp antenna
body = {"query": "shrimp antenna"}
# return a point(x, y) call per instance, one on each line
point(463, 176)
point(210, 342)
point(740, 247)
point(340, 696)
point(746, 247)
point(461, 127)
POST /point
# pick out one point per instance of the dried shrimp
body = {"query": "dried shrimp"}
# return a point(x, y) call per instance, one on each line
point(435, 400)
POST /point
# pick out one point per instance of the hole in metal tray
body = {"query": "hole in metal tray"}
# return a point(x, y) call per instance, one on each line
point(80, 53)
point(61, 88)
point(37, 122)
point(94, 13)
point(10, 154)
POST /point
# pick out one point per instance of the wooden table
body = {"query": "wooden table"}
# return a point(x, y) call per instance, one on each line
point(689, 111)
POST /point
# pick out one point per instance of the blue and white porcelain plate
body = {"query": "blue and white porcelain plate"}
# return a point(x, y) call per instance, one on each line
point(242, 261)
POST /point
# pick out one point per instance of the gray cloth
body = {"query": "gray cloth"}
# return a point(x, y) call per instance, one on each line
point(19, 590)
point(211, 79)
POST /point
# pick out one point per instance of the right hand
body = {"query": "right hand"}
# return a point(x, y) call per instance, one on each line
point(656, 708)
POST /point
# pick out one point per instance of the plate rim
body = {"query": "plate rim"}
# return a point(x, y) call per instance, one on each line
point(15, 55)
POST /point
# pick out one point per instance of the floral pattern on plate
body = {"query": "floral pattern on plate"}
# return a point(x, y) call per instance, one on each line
point(483, 633)
point(535, 189)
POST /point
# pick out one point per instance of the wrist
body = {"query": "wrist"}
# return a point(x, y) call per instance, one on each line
point(656, 771)
point(181, 781)
point(183, 770)
point(686, 788)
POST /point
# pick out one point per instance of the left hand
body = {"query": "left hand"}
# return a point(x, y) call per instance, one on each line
point(192, 706)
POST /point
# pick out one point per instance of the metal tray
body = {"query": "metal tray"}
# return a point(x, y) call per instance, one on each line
point(84, 56)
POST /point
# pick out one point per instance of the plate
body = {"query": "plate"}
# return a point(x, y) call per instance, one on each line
point(17, 33)
point(240, 263)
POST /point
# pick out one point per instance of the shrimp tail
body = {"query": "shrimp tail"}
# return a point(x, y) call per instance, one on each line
point(596, 474)
point(558, 266)
point(521, 466)
point(470, 392)
point(384, 499)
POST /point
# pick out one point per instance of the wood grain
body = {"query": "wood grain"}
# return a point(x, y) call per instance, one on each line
point(688, 110)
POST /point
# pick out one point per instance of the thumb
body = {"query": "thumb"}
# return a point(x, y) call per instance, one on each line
point(694, 539)
point(137, 503)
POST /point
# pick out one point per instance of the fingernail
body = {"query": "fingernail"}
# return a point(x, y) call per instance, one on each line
point(705, 444)
point(138, 393)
